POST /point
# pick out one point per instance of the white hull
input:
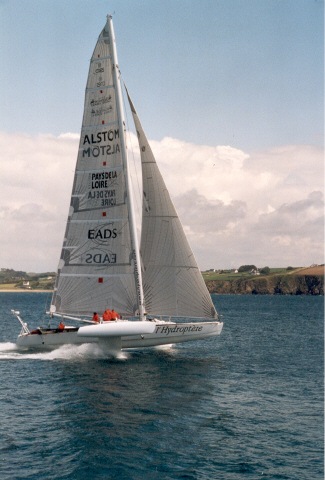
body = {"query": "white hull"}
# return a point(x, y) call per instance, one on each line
point(161, 334)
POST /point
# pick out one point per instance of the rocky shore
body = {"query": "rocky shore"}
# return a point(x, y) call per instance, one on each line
point(270, 285)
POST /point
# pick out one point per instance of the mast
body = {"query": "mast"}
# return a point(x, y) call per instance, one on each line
point(121, 120)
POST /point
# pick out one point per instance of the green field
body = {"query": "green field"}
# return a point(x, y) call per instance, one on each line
point(40, 284)
point(227, 275)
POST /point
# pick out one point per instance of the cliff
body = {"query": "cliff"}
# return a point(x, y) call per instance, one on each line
point(270, 285)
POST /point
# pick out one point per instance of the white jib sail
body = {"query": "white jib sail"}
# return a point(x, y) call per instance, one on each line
point(172, 282)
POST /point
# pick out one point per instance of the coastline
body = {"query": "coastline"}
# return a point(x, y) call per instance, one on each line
point(23, 290)
point(300, 281)
point(271, 285)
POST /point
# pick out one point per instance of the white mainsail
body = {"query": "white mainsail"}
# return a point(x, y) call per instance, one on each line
point(98, 265)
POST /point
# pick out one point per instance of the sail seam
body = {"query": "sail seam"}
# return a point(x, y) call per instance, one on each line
point(98, 89)
point(101, 169)
point(161, 216)
point(110, 220)
point(92, 275)
point(94, 59)
point(96, 126)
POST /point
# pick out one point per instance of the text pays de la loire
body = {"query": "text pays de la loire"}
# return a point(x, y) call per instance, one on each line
point(102, 187)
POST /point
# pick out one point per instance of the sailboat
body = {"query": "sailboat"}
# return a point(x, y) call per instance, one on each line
point(155, 285)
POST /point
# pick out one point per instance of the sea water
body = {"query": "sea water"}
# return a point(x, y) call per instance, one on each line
point(245, 405)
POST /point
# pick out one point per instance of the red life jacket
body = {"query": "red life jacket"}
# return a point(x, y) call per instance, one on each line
point(107, 315)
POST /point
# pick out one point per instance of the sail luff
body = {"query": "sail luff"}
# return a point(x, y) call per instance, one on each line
point(134, 237)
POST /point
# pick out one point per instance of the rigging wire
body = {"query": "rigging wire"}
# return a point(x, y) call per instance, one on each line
point(137, 185)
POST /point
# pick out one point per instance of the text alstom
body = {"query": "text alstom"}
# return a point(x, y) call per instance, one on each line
point(106, 136)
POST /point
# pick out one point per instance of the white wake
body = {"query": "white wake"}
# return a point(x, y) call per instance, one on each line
point(86, 351)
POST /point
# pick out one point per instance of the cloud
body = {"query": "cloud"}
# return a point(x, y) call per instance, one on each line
point(264, 208)
point(209, 216)
point(304, 217)
point(35, 184)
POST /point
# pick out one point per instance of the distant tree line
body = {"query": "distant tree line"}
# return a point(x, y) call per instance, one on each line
point(253, 268)
point(246, 268)
point(18, 277)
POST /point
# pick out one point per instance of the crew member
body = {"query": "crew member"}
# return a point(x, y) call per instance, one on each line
point(95, 317)
point(114, 315)
point(61, 327)
point(107, 315)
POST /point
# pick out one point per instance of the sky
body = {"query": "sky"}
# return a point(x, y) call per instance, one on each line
point(229, 92)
